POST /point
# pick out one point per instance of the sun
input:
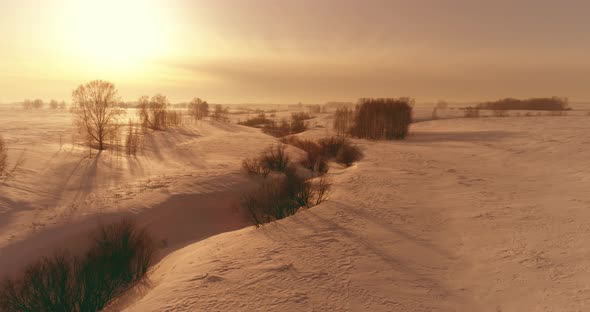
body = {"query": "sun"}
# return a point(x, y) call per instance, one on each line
point(114, 33)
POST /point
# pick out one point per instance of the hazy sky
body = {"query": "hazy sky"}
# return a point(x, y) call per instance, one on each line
point(263, 51)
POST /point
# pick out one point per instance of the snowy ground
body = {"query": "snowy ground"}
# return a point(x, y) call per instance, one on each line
point(486, 214)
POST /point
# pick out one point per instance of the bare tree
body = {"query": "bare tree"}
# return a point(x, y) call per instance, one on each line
point(198, 108)
point(133, 141)
point(38, 104)
point(153, 111)
point(53, 104)
point(62, 105)
point(343, 119)
point(27, 104)
point(220, 113)
point(95, 110)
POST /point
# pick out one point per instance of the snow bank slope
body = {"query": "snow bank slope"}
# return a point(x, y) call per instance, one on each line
point(466, 215)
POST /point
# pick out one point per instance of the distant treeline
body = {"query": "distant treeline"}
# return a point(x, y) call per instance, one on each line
point(551, 104)
point(138, 105)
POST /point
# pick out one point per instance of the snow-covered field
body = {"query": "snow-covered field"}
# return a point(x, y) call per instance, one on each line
point(481, 214)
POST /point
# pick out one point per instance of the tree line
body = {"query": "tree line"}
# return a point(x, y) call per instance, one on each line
point(96, 108)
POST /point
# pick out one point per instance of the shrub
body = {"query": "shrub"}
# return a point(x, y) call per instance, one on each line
point(314, 160)
point(267, 203)
point(275, 158)
point(3, 156)
point(383, 118)
point(553, 104)
point(296, 125)
point(117, 260)
point(331, 145)
point(275, 200)
point(277, 130)
point(301, 116)
point(47, 285)
point(318, 153)
point(297, 188)
point(257, 121)
point(253, 166)
point(348, 154)
point(323, 187)
point(341, 149)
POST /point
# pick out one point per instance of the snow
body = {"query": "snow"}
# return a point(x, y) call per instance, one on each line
point(482, 214)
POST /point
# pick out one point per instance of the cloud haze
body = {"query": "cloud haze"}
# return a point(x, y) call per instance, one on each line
point(309, 51)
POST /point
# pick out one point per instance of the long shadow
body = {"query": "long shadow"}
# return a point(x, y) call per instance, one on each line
point(226, 126)
point(163, 146)
point(383, 254)
point(393, 229)
point(135, 165)
point(396, 262)
point(18, 206)
point(175, 223)
point(13, 207)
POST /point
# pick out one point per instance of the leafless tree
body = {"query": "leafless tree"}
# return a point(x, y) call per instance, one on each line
point(95, 110)
point(152, 111)
point(343, 119)
point(198, 108)
point(133, 141)
point(38, 104)
point(220, 113)
point(53, 104)
point(62, 105)
point(28, 104)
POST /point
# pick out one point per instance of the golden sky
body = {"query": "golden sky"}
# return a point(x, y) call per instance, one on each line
point(284, 51)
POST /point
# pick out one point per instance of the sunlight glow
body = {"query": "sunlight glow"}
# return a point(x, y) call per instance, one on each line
point(111, 34)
